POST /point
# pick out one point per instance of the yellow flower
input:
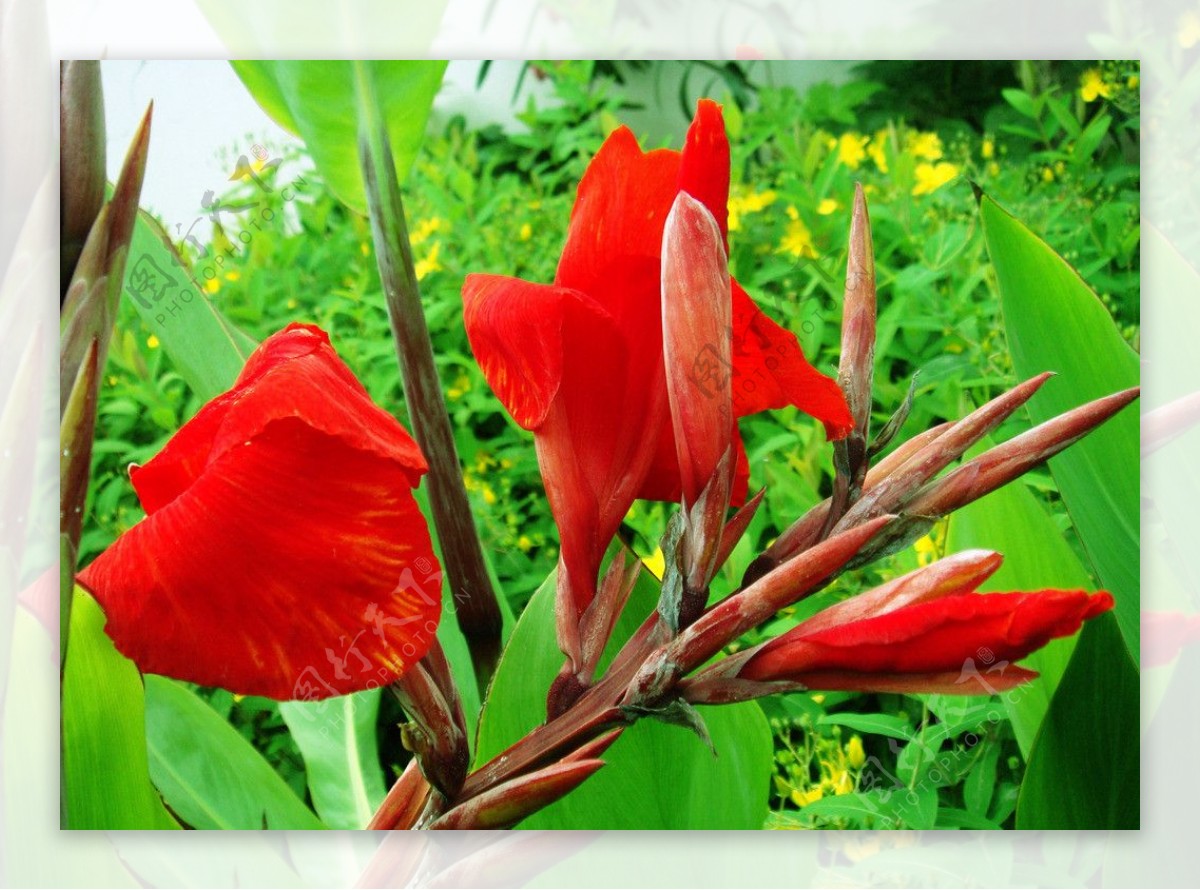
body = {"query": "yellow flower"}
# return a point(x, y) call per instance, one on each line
point(878, 150)
point(1047, 175)
point(804, 798)
point(855, 753)
point(152, 342)
point(212, 285)
point(926, 550)
point(524, 544)
point(1133, 82)
point(291, 303)
point(843, 784)
point(233, 275)
point(366, 248)
point(112, 379)
point(424, 229)
point(851, 149)
point(797, 239)
point(819, 698)
point(428, 263)
point(993, 169)
point(742, 202)
point(656, 563)
point(988, 149)
point(827, 206)
point(931, 177)
point(1092, 86)
point(925, 145)
point(454, 393)
point(1189, 29)
point(489, 496)
point(526, 232)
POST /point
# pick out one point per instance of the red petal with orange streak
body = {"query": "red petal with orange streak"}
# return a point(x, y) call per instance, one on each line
point(283, 553)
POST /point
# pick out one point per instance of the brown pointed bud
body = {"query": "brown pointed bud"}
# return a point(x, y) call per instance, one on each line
point(856, 371)
point(596, 747)
point(711, 690)
point(787, 584)
point(601, 616)
point(805, 531)
point(90, 307)
point(1000, 465)
point(507, 804)
point(736, 527)
point(404, 803)
point(81, 159)
point(944, 450)
point(704, 528)
point(434, 736)
point(1163, 424)
point(76, 432)
point(697, 349)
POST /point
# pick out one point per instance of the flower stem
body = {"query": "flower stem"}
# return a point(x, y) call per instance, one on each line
point(478, 611)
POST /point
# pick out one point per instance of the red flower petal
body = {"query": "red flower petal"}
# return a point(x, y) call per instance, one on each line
point(770, 371)
point(620, 209)
point(704, 163)
point(968, 681)
point(283, 553)
point(588, 386)
point(931, 637)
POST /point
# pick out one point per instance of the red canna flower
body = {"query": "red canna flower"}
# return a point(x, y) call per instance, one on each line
point(580, 362)
point(282, 553)
point(958, 643)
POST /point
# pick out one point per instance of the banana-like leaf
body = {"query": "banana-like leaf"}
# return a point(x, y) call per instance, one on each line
point(105, 772)
point(319, 102)
point(341, 757)
point(1056, 323)
point(208, 773)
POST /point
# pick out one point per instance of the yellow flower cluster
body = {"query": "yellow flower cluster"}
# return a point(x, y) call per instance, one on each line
point(743, 201)
point(839, 771)
point(1093, 86)
point(797, 239)
point(429, 263)
point(931, 177)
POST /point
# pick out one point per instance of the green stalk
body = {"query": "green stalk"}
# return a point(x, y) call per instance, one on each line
point(478, 612)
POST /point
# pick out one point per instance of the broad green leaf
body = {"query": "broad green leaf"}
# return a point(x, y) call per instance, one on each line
point(1036, 556)
point(106, 774)
point(206, 349)
point(341, 757)
point(207, 772)
point(874, 724)
point(318, 101)
point(882, 807)
point(1084, 770)
point(656, 775)
point(1055, 322)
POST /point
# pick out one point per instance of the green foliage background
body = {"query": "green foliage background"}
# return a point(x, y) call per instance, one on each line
point(1054, 143)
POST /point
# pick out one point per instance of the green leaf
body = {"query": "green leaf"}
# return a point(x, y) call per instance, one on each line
point(874, 724)
point(207, 772)
point(105, 771)
point(206, 349)
point(337, 738)
point(1090, 139)
point(1036, 556)
point(1055, 322)
point(1022, 101)
point(1084, 769)
point(657, 776)
point(317, 101)
point(891, 807)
